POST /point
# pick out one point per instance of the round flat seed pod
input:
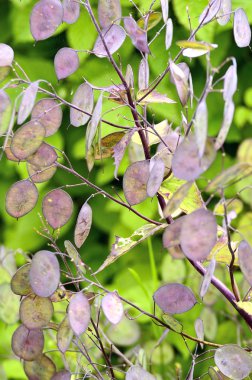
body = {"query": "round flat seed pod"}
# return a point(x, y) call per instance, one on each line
point(45, 18)
point(57, 208)
point(49, 113)
point(27, 139)
point(36, 312)
point(20, 282)
point(21, 198)
point(245, 260)
point(114, 37)
point(112, 307)
point(233, 361)
point(136, 373)
point(27, 344)
point(109, 11)
point(40, 174)
point(6, 55)
point(5, 112)
point(83, 99)
point(135, 182)
point(79, 313)
point(64, 335)
point(71, 11)
point(198, 234)
point(174, 298)
point(44, 156)
point(41, 369)
point(62, 375)
point(83, 225)
point(66, 62)
point(44, 273)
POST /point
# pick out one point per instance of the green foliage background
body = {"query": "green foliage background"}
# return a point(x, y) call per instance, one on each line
point(134, 275)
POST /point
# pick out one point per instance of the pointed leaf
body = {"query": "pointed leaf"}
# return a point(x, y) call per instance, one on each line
point(168, 33)
point(136, 372)
point(83, 225)
point(105, 147)
point(109, 12)
point(41, 368)
point(165, 9)
point(186, 163)
point(119, 149)
point(123, 245)
point(66, 62)
point(135, 182)
point(27, 139)
point(207, 278)
point(172, 323)
point(36, 312)
point(6, 55)
point(114, 37)
point(21, 198)
point(5, 112)
point(233, 361)
point(75, 256)
point(27, 344)
point(224, 13)
point(195, 48)
point(44, 273)
point(156, 176)
point(143, 75)
point(112, 307)
point(198, 234)
point(174, 298)
point(93, 123)
point(242, 31)
point(201, 127)
point(176, 199)
point(83, 99)
point(226, 124)
point(45, 18)
point(149, 20)
point(137, 35)
point(57, 208)
point(49, 113)
point(71, 11)
point(245, 260)
point(79, 313)
point(64, 335)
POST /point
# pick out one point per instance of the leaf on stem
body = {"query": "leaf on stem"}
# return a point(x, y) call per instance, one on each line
point(135, 182)
point(83, 225)
point(5, 112)
point(21, 198)
point(195, 48)
point(137, 35)
point(79, 313)
point(177, 198)
point(114, 37)
point(48, 113)
point(123, 245)
point(57, 208)
point(44, 273)
point(186, 163)
point(153, 97)
point(45, 18)
point(233, 361)
point(174, 298)
point(109, 12)
point(6, 55)
point(112, 307)
point(27, 102)
point(241, 28)
point(198, 234)
point(172, 323)
point(245, 260)
point(66, 62)
point(71, 11)
point(105, 147)
point(149, 21)
point(27, 344)
point(83, 99)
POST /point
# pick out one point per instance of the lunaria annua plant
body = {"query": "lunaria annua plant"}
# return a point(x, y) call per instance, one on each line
point(167, 163)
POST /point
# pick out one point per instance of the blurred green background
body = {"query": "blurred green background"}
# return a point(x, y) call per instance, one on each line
point(131, 275)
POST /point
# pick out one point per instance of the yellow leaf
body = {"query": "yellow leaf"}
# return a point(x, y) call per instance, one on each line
point(246, 306)
point(161, 128)
point(198, 45)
